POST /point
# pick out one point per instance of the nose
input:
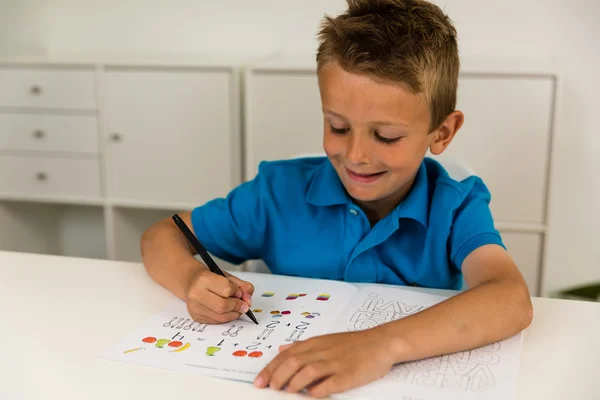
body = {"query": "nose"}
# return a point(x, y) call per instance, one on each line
point(357, 151)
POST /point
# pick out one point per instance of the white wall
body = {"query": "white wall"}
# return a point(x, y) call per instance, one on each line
point(20, 29)
point(565, 30)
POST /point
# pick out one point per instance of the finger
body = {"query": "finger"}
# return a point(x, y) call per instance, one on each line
point(203, 312)
point(222, 287)
point(222, 305)
point(330, 385)
point(204, 319)
point(289, 367)
point(198, 313)
point(285, 347)
point(264, 377)
point(215, 302)
point(310, 374)
point(246, 287)
point(247, 290)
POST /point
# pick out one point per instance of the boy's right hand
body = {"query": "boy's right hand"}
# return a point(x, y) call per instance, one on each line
point(214, 299)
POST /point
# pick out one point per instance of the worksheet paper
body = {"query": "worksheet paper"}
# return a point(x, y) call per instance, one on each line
point(293, 309)
point(486, 373)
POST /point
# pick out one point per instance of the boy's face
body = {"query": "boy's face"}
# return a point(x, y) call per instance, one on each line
point(376, 135)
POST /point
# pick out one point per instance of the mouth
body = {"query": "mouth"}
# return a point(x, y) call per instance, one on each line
point(363, 177)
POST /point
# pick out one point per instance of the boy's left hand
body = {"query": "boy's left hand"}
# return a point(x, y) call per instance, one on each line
point(329, 364)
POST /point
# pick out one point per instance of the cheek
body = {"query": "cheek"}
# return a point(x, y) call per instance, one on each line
point(402, 156)
point(393, 159)
point(332, 144)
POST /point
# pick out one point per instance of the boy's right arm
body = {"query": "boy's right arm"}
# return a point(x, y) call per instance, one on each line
point(169, 260)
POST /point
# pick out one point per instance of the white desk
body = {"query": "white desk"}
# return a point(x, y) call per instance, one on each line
point(58, 314)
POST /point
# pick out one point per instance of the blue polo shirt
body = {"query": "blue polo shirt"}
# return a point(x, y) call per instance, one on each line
point(297, 217)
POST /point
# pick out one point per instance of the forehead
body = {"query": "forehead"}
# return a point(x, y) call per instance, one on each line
point(362, 99)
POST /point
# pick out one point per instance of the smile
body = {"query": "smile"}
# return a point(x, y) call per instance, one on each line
point(363, 178)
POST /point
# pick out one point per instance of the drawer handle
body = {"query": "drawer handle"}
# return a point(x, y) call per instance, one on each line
point(116, 137)
point(41, 176)
point(38, 134)
point(35, 89)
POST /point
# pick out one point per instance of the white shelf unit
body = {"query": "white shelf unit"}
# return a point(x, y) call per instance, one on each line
point(53, 228)
point(510, 119)
point(128, 223)
point(93, 152)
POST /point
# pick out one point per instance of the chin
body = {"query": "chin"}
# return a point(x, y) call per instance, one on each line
point(363, 194)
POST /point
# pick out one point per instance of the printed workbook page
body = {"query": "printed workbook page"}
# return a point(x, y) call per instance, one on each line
point(287, 309)
point(292, 309)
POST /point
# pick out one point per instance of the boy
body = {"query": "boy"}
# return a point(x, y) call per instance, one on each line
point(374, 210)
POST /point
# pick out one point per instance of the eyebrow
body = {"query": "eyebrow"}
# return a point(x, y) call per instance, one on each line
point(326, 111)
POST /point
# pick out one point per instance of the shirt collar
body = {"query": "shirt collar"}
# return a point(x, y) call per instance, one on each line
point(415, 205)
point(326, 189)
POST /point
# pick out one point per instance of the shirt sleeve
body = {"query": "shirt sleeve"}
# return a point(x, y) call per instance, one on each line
point(473, 224)
point(233, 228)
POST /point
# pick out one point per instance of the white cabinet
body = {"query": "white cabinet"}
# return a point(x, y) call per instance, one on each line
point(128, 225)
point(506, 138)
point(283, 117)
point(171, 135)
point(50, 174)
point(92, 155)
point(53, 228)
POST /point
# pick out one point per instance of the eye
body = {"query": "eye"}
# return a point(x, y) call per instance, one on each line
point(387, 140)
point(339, 131)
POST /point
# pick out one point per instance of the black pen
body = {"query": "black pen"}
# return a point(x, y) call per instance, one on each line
point(210, 263)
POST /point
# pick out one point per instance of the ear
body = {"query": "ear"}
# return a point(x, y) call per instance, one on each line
point(444, 134)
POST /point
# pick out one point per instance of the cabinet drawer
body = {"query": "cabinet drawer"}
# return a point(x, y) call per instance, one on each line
point(47, 88)
point(47, 177)
point(526, 250)
point(48, 133)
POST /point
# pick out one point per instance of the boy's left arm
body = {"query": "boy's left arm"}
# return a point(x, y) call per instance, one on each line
point(338, 362)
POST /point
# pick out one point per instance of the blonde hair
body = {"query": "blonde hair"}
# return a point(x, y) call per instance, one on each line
point(407, 42)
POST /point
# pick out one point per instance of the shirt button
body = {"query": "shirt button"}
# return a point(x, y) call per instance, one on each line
point(353, 211)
